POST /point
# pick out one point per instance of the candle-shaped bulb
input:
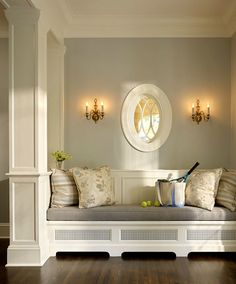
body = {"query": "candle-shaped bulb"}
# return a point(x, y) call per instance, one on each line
point(86, 107)
point(208, 109)
point(102, 107)
point(192, 108)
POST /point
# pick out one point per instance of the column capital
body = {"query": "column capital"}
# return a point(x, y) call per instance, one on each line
point(22, 15)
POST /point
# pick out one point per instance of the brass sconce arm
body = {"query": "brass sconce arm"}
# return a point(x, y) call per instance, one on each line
point(95, 114)
point(199, 115)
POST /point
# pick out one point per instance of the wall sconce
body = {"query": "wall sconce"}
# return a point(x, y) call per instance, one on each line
point(199, 115)
point(94, 113)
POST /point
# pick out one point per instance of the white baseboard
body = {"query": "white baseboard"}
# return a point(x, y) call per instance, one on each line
point(4, 230)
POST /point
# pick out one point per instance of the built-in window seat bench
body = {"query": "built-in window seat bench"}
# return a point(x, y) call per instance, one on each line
point(128, 227)
point(138, 213)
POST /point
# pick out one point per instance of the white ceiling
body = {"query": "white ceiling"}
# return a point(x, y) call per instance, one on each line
point(147, 18)
point(158, 8)
point(138, 18)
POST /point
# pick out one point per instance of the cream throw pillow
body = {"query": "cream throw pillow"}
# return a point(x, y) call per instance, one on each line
point(94, 187)
point(226, 195)
point(202, 188)
point(64, 191)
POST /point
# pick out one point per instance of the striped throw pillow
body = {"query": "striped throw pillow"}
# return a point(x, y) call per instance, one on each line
point(64, 191)
point(226, 195)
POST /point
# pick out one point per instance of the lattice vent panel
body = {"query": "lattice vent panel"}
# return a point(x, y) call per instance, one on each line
point(211, 235)
point(146, 235)
point(83, 235)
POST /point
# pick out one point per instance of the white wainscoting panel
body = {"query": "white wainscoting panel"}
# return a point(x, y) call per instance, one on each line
point(24, 212)
point(134, 190)
point(131, 187)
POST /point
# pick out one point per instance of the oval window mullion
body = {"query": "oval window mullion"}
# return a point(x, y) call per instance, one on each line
point(153, 133)
point(155, 117)
point(151, 119)
point(142, 119)
point(139, 127)
point(150, 133)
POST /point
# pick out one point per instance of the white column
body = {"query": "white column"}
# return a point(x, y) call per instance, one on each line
point(55, 86)
point(29, 181)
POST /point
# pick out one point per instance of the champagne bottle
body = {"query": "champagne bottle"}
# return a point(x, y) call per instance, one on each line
point(184, 177)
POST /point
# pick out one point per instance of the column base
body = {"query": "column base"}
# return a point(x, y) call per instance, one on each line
point(28, 255)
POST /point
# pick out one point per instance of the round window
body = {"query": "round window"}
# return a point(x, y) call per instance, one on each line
point(146, 117)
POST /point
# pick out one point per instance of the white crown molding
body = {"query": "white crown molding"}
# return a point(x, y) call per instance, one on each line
point(65, 24)
point(52, 15)
point(63, 5)
point(20, 3)
point(143, 26)
point(4, 4)
point(3, 21)
point(19, 15)
point(79, 25)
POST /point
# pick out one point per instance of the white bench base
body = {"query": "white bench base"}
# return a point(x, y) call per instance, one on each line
point(33, 241)
point(118, 237)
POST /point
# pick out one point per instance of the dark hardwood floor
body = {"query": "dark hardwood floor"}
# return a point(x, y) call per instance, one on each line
point(89, 268)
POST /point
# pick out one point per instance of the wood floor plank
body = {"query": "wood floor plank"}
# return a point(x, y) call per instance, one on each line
point(89, 268)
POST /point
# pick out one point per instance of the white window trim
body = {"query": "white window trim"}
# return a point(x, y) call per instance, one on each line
point(127, 117)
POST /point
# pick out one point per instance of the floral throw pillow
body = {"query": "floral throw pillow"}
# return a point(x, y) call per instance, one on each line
point(202, 188)
point(94, 187)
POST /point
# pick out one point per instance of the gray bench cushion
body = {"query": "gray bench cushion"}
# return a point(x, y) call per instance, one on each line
point(137, 213)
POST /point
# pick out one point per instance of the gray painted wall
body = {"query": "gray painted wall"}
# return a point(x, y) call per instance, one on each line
point(107, 68)
point(233, 102)
point(4, 188)
point(185, 69)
